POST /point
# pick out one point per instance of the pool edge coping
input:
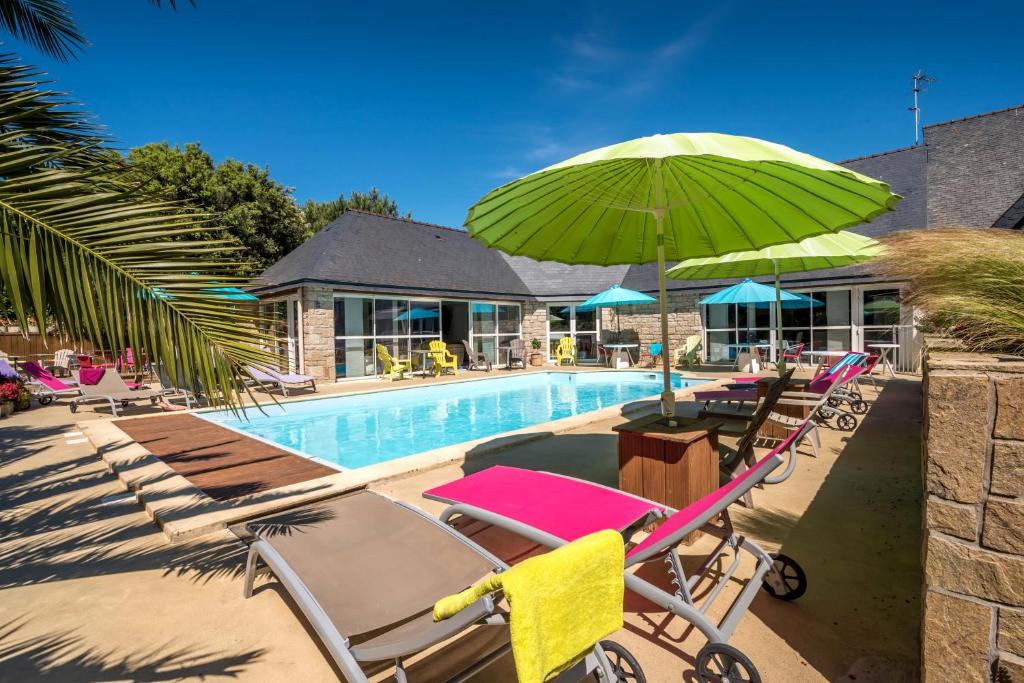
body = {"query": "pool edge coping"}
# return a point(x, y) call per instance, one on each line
point(183, 511)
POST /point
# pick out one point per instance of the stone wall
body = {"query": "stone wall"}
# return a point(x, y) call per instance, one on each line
point(535, 323)
point(683, 320)
point(973, 620)
point(318, 333)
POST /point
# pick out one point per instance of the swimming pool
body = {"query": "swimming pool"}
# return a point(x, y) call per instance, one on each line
point(365, 429)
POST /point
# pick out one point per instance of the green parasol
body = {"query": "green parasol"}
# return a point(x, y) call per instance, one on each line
point(814, 253)
point(677, 196)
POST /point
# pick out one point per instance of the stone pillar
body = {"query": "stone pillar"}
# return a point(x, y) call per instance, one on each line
point(973, 451)
point(535, 324)
point(318, 332)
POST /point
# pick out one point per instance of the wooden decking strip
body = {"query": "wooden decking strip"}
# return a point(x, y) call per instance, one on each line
point(222, 463)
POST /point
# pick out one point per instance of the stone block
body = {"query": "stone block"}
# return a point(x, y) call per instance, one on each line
point(1009, 669)
point(1008, 469)
point(1004, 526)
point(955, 640)
point(974, 571)
point(1010, 408)
point(958, 436)
point(955, 519)
point(1011, 631)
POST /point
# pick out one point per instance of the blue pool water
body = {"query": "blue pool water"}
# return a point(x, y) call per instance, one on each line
point(365, 429)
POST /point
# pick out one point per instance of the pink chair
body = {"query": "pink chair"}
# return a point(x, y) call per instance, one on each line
point(46, 385)
point(792, 353)
point(553, 510)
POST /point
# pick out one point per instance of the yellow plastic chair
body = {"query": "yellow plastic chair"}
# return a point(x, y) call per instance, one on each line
point(565, 351)
point(442, 358)
point(689, 355)
point(393, 366)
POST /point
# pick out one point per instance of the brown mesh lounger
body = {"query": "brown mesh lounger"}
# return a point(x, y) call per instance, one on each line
point(366, 572)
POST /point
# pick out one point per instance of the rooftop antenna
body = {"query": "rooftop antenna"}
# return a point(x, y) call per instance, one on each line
point(920, 78)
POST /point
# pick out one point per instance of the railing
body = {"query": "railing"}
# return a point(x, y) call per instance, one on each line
point(907, 356)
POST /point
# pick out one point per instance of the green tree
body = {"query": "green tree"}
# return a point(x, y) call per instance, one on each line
point(251, 206)
point(318, 215)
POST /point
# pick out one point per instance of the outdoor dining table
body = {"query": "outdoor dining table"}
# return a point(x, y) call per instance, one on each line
point(884, 349)
point(748, 356)
point(424, 353)
point(620, 350)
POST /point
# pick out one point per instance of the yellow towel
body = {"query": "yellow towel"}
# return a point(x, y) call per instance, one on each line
point(561, 603)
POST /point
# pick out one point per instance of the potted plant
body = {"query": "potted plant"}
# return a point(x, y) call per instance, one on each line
point(10, 392)
point(536, 357)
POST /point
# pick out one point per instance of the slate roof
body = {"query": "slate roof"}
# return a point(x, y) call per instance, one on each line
point(363, 251)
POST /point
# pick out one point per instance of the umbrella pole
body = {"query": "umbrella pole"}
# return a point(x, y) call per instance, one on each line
point(780, 361)
point(668, 397)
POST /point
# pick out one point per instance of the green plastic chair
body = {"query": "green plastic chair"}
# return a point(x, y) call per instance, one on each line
point(565, 351)
point(689, 355)
point(393, 366)
point(442, 358)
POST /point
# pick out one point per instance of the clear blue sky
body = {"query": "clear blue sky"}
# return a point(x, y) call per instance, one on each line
point(436, 103)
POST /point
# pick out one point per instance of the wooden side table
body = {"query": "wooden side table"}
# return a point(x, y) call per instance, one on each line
point(772, 431)
point(674, 466)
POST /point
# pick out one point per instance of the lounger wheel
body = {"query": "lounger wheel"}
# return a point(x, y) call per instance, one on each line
point(45, 400)
point(845, 422)
point(624, 664)
point(721, 663)
point(73, 406)
point(834, 402)
point(125, 404)
point(859, 407)
point(787, 580)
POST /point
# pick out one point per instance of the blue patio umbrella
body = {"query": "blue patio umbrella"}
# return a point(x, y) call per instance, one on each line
point(750, 292)
point(229, 293)
point(614, 297)
point(801, 301)
point(418, 314)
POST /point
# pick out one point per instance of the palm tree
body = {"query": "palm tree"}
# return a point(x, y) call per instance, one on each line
point(48, 25)
point(83, 249)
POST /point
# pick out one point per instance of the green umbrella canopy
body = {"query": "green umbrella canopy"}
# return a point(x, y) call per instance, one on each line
point(717, 193)
point(814, 253)
point(677, 196)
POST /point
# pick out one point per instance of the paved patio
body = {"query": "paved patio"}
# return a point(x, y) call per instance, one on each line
point(90, 589)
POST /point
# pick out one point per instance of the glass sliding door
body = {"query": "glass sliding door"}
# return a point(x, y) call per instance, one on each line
point(881, 314)
point(493, 326)
point(399, 325)
point(566, 320)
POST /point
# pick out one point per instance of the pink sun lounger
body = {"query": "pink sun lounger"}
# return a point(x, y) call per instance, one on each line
point(47, 386)
point(552, 509)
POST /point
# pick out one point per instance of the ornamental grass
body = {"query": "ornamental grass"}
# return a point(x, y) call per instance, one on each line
point(969, 282)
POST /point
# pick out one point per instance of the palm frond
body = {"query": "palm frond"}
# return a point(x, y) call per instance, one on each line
point(80, 248)
point(46, 25)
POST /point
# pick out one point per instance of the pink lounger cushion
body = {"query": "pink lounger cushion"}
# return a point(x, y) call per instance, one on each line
point(727, 395)
point(561, 506)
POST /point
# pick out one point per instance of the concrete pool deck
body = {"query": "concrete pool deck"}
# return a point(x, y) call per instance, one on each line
point(90, 589)
point(181, 508)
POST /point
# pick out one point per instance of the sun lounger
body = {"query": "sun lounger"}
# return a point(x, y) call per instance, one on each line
point(110, 387)
point(46, 386)
point(552, 510)
point(366, 572)
point(271, 377)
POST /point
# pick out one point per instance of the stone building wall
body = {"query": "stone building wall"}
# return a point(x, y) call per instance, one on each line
point(973, 620)
point(318, 333)
point(683, 320)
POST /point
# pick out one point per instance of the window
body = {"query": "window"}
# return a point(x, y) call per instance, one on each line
point(399, 325)
point(566, 320)
point(494, 326)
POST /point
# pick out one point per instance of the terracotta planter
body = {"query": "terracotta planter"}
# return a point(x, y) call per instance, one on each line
point(536, 359)
point(6, 408)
